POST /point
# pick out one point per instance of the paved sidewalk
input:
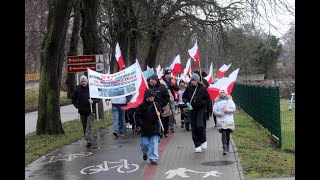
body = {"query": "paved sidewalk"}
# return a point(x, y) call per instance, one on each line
point(121, 158)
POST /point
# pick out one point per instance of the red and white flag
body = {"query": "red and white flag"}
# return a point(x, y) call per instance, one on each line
point(119, 57)
point(141, 85)
point(222, 70)
point(187, 69)
point(194, 53)
point(209, 78)
point(176, 65)
point(158, 69)
point(160, 73)
point(228, 82)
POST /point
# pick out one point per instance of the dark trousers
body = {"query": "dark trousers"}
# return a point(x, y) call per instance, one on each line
point(181, 106)
point(165, 123)
point(197, 128)
point(215, 119)
point(226, 136)
point(205, 118)
point(130, 117)
point(87, 125)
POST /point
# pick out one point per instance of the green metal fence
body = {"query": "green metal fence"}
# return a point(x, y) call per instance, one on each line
point(262, 104)
point(287, 124)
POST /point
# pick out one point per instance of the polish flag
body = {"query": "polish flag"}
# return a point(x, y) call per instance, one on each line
point(222, 70)
point(158, 69)
point(194, 53)
point(176, 65)
point(209, 78)
point(119, 57)
point(160, 73)
point(187, 69)
point(141, 84)
point(228, 82)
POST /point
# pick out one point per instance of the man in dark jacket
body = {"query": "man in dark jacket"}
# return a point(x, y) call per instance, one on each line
point(170, 85)
point(208, 109)
point(82, 101)
point(148, 119)
point(167, 78)
point(198, 97)
point(162, 97)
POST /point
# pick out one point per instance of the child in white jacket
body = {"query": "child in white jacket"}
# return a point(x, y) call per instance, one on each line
point(224, 108)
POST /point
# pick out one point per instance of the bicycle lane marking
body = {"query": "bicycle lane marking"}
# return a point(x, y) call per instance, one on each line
point(151, 170)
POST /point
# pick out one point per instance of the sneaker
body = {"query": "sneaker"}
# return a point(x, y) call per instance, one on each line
point(145, 157)
point(224, 152)
point(165, 135)
point(115, 134)
point(154, 162)
point(204, 145)
point(89, 144)
point(121, 134)
point(130, 126)
point(198, 149)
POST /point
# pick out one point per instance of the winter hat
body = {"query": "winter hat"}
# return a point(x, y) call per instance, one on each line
point(195, 77)
point(154, 77)
point(83, 78)
point(148, 93)
point(167, 72)
point(223, 89)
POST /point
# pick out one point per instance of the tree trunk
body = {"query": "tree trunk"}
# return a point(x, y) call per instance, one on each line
point(88, 11)
point(73, 50)
point(52, 57)
point(153, 45)
point(122, 27)
point(133, 34)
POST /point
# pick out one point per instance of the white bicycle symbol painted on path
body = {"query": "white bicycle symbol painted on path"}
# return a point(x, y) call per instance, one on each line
point(121, 165)
point(66, 157)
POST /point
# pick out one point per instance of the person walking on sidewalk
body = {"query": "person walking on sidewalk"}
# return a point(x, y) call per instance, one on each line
point(224, 108)
point(82, 101)
point(181, 105)
point(118, 115)
point(162, 97)
point(172, 86)
point(147, 118)
point(197, 97)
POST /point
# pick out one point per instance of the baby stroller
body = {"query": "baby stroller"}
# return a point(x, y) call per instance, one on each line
point(186, 120)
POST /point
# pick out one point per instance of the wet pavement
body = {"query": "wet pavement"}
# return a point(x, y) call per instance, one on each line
point(108, 158)
point(121, 159)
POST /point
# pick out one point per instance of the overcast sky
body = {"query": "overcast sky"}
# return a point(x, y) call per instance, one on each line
point(281, 21)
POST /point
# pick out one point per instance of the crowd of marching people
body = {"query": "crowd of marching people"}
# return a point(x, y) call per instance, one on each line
point(155, 117)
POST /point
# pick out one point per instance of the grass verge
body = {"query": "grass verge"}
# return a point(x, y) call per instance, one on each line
point(37, 146)
point(32, 97)
point(259, 159)
point(287, 124)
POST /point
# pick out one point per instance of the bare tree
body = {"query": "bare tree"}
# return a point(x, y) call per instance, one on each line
point(89, 33)
point(35, 28)
point(52, 57)
point(73, 49)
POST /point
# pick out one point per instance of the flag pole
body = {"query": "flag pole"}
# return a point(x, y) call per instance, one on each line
point(155, 107)
point(200, 71)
